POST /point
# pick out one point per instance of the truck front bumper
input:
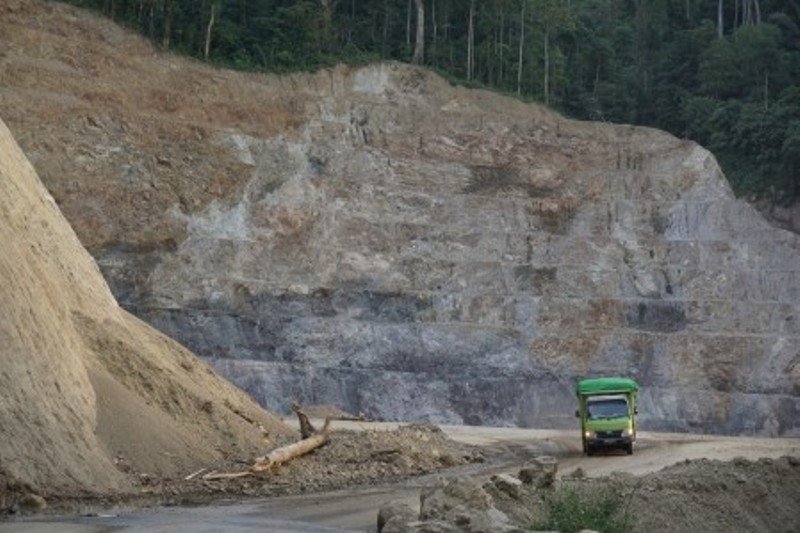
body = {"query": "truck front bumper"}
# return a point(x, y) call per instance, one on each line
point(615, 439)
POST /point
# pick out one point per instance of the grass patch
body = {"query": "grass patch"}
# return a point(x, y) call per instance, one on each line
point(569, 511)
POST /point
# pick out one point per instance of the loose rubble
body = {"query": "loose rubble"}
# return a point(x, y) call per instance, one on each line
point(706, 495)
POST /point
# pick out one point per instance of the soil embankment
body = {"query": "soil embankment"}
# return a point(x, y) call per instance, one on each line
point(93, 400)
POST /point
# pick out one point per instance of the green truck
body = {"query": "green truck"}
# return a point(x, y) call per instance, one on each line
point(607, 410)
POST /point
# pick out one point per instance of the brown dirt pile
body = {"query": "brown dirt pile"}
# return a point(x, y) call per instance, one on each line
point(706, 495)
point(82, 382)
point(700, 495)
point(351, 458)
point(709, 495)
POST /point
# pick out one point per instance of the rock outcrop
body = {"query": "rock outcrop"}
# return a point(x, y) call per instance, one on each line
point(88, 393)
point(378, 239)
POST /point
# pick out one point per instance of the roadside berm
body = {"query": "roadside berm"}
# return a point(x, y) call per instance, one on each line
point(699, 495)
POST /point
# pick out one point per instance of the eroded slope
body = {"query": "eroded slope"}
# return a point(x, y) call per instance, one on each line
point(86, 386)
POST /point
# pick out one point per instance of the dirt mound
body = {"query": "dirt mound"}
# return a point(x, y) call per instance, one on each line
point(85, 386)
point(701, 495)
point(709, 495)
point(351, 458)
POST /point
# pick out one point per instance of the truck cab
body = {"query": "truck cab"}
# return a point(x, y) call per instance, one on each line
point(607, 411)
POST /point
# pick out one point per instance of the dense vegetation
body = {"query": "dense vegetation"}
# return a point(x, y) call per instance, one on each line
point(725, 73)
point(571, 511)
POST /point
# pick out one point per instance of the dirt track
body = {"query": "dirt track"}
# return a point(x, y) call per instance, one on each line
point(355, 509)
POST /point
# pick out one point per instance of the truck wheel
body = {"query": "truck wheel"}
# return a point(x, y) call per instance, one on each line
point(589, 450)
point(629, 448)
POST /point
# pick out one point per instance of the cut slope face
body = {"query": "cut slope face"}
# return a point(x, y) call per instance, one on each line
point(377, 239)
point(84, 383)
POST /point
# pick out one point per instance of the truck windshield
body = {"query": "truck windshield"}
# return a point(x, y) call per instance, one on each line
point(607, 409)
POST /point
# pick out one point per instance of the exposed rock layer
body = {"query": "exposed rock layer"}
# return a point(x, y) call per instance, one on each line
point(378, 239)
point(86, 387)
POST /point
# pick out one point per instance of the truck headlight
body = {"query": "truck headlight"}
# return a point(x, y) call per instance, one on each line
point(589, 434)
point(629, 432)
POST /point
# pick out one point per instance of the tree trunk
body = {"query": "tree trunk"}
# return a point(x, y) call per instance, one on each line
point(435, 26)
point(471, 40)
point(279, 455)
point(408, 24)
point(385, 26)
point(596, 79)
point(720, 21)
point(209, 29)
point(521, 46)
point(546, 83)
point(306, 428)
point(152, 19)
point(168, 25)
point(287, 453)
point(327, 25)
point(419, 46)
point(501, 69)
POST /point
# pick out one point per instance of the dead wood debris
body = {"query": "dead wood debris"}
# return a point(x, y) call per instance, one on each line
point(281, 455)
point(306, 428)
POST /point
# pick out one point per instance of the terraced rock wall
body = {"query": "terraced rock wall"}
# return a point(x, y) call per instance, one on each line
point(375, 238)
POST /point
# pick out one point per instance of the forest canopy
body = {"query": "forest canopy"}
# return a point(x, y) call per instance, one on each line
point(725, 73)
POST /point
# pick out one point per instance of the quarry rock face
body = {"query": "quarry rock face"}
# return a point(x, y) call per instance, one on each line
point(378, 239)
point(416, 250)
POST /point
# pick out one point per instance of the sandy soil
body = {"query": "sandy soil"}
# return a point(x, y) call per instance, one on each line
point(92, 396)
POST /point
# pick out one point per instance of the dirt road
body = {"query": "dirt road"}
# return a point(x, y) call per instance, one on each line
point(355, 509)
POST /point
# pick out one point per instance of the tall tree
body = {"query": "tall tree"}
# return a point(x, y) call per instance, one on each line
point(209, 29)
point(471, 40)
point(408, 24)
point(168, 5)
point(521, 47)
point(419, 46)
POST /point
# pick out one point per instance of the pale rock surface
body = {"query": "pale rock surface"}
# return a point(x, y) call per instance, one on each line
point(394, 516)
point(375, 238)
point(540, 472)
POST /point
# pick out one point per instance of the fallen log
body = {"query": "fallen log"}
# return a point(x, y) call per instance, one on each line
point(194, 474)
point(287, 453)
point(278, 456)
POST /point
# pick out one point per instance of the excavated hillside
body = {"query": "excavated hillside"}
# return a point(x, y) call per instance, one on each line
point(89, 393)
point(377, 239)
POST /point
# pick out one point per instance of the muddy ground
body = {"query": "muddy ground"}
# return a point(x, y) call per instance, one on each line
point(737, 481)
